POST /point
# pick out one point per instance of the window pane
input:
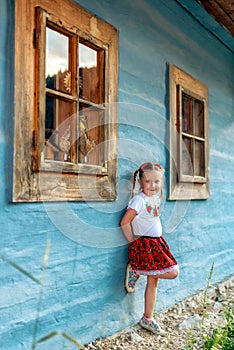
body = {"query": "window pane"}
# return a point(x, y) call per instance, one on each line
point(198, 118)
point(59, 129)
point(187, 157)
point(199, 161)
point(89, 74)
point(91, 140)
point(58, 76)
point(186, 114)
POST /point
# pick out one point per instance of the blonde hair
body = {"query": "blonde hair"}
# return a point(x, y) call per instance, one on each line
point(144, 167)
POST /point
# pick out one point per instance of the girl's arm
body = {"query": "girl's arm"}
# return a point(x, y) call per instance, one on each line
point(125, 223)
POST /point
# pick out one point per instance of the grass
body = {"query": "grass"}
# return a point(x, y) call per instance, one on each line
point(221, 338)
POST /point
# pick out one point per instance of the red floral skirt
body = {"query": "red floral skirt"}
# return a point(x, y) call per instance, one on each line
point(151, 256)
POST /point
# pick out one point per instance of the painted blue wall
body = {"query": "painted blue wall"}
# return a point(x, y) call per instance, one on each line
point(83, 293)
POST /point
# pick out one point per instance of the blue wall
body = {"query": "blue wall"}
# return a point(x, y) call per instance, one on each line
point(83, 293)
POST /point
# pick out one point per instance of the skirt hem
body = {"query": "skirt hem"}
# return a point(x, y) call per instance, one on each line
point(156, 272)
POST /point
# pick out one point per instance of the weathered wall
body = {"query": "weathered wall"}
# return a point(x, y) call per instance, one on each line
point(83, 292)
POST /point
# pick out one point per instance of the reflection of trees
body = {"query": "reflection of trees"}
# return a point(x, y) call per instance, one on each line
point(89, 81)
point(58, 110)
point(57, 81)
point(54, 82)
point(50, 81)
point(49, 120)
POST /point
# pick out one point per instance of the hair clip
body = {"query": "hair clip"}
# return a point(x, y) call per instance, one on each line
point(144, 165)
point(159, 166)
point(152, 165)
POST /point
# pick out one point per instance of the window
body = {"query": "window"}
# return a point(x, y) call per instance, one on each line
point(65, 114)
point(189, 148)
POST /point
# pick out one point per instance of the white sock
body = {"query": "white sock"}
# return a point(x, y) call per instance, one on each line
point(147, 319)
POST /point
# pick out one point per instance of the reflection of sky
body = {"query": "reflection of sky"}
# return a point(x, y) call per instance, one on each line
point(87, 56)
point(57, 53)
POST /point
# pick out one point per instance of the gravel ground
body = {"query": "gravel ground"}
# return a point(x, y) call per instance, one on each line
point(182, 321)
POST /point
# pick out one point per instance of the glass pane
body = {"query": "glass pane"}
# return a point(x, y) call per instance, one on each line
point(89, 74)
point(59, 129)
point(58, 76)
point(91, 140)
point(187, 157)
point(186, 114)
point(198, 118)
point(199, 161)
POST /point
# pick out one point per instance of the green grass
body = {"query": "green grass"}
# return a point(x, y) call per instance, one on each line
point(222, 338)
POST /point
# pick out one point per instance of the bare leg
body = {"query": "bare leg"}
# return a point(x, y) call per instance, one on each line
point(150, 296)
point(151, 290)
point(169, 275)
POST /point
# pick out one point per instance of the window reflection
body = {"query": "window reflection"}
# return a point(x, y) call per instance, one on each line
point(199, 118)
point(186, 113)
point(60, 107)
point(193, 142)
point(58, 129)
point(199, 161)
point(58, 76)
point(187, 155)
point(88, 74)
point(91, 140)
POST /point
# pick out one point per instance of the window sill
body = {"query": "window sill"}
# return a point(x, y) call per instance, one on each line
point(192, 179)
point(68, 167)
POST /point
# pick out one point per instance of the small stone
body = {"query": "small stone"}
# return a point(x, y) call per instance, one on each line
point(217, 306)
point(193, 322)
point(135, 337)
point(221, 297)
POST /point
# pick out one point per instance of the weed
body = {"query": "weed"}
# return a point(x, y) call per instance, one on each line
point(204, 302)
point(190, 340)
point(222, 338)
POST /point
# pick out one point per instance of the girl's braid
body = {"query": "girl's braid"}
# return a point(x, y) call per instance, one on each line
point(134, 180)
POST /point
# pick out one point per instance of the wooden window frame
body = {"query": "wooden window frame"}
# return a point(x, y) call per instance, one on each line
point(186, 187)
point(35, 180)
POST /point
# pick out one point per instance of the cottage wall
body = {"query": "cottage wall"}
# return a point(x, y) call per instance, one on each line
point(80, 290)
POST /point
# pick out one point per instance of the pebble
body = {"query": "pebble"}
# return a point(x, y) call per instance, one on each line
point(192, 322)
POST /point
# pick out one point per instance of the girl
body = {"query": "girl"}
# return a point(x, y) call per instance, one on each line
point(148, 252)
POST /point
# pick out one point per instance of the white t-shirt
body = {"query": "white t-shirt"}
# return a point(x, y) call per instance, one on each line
point(147, 221)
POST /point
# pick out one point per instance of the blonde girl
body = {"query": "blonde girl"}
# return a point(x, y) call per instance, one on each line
point(149, 254)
